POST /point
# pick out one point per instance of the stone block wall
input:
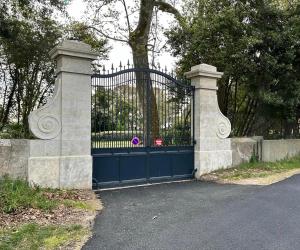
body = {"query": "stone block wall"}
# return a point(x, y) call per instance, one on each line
point(243, 149)
point(14, 155)
point(264, 150)
point(274, 150)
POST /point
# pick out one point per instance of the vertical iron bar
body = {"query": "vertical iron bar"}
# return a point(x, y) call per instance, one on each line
point(92, 112)
point(143, 110)
point(111, 114)
point(96, 113)
point(125, 106)
point(157, 104)
point(132, 107)
point(165, 111)
point(193, 115)
point(148, 93)
point(137, 117)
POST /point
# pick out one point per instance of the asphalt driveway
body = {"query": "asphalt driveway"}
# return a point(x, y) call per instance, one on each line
point(195, 215)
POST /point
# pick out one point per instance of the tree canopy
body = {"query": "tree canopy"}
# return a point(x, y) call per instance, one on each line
point(254, 42)
point(256, 45)
point(28, 31)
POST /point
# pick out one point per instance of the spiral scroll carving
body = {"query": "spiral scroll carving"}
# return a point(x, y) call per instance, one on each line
point(45, 122)
point(224, 129)
point(49, 126)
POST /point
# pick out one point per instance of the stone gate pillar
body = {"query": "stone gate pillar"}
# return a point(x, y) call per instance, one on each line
point(212, 149)
point(62, 156)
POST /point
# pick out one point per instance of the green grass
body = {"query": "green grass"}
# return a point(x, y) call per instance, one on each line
point(77, 204)
point(259, 169)
point(33, 236)
point(17, 195)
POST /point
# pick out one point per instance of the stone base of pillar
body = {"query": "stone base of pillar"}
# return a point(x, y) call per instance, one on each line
point(65, 172)
point(208, 161)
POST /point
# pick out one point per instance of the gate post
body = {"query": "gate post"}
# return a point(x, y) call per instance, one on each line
point(212, 149)
point(62, 158)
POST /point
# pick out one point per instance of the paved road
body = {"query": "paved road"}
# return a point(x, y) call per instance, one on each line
point(197, 215)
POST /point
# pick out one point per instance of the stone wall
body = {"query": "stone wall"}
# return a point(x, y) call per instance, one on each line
point(243, 149)
point(264, 150)
point(14, 158)
point(274, 150)
point(14, 154)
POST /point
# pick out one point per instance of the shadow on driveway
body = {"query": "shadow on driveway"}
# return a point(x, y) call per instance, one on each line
point(198, 215)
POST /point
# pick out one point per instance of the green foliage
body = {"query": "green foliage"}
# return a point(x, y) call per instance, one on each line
point(80, 31)
point(115, 110)
point(77, 204)
point(179, 135)
point(27, 72)
point(254, 158)
point(17, 194)
point(14, 131)
point(255, 169)
point(28, 31)
point(34, 236)
point(255, 44)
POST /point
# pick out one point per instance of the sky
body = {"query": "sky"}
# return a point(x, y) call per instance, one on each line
point(120, 51)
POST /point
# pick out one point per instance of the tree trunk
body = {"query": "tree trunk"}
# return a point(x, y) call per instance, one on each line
point(6, 111)
point(138, 42)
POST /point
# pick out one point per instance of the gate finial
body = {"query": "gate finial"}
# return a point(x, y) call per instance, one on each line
point(112, 68)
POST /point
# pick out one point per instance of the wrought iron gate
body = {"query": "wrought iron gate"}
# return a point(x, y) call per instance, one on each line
point(142, 127)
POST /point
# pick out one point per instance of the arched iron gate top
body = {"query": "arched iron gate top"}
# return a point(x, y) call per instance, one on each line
point(184, 83)
point(141, 107)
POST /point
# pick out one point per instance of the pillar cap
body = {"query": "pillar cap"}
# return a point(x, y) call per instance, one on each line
point(73, 48)
point(205, 70)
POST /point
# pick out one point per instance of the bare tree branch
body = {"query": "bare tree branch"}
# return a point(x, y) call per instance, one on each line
point(127, 16)
point(107, 36)
point(166, 7)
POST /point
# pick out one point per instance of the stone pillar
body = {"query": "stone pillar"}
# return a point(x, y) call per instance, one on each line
point(212, 149)
point(62, 158)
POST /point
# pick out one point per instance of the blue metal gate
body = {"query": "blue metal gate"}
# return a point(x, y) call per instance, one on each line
point(142, 127)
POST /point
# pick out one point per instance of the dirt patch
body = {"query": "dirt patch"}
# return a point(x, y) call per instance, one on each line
point(64, 214)
point(267, 180)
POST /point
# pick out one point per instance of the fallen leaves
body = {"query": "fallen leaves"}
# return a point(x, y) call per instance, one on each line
point(61, 215)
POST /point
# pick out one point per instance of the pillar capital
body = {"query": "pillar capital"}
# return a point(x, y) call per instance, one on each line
point(204, 70)
point(73, 48)
point(204, 76)
point(73, 57)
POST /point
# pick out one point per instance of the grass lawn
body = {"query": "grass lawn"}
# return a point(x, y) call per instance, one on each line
point(34, 236)
point(17, 194)
point(41, 218)
point(256, 169)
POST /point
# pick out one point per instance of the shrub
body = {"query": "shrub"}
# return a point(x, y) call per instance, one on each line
point(13, 131)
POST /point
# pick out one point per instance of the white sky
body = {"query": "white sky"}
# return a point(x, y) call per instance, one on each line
point(120, 51)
